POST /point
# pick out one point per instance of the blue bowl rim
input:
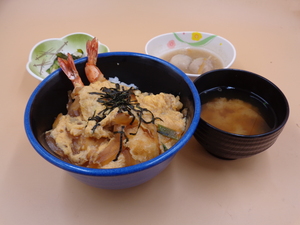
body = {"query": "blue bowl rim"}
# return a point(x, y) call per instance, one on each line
point(115, 171)
point(278, 128)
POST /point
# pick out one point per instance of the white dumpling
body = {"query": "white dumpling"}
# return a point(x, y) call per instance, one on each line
point(195, 65)
point(208, 65)
point(181, 61)
point(200, 65)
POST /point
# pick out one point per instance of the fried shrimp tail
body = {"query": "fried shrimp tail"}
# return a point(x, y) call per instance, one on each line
point(70, 70)
point(92, 72)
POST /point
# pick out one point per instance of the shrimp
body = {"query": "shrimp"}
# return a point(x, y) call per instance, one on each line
point(68, 66)
point(92, 72)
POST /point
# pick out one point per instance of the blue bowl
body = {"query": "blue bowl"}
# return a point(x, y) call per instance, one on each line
point(150, 74)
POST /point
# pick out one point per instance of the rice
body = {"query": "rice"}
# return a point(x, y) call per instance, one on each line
point(117, 81)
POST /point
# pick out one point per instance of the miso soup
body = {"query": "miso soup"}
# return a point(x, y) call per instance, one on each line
point(193, 60)
point(237, 111)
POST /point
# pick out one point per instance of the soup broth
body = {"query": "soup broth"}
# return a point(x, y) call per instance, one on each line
point(247, 114)
point(192, 60)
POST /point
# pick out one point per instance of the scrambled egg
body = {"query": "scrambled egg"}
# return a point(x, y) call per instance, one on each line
point(93, 134)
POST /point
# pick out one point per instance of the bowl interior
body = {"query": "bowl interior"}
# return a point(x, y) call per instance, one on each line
point(249, 82)
point(148, 73)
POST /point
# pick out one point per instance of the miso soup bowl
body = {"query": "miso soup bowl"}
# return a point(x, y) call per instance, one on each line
point(227, 145)
point(217, 45)
point(149, 74)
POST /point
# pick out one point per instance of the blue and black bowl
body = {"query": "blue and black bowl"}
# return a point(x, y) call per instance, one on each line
point(149, 74)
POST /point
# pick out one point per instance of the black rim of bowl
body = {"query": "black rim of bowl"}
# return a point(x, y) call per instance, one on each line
point(276, 129)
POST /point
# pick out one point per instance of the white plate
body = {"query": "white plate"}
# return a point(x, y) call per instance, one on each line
point(43, 54)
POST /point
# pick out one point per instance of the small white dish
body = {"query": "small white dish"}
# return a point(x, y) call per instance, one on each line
point(43, 54)
point(219, 46)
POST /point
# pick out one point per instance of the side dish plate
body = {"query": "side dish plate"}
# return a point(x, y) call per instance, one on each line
point(43, 54)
